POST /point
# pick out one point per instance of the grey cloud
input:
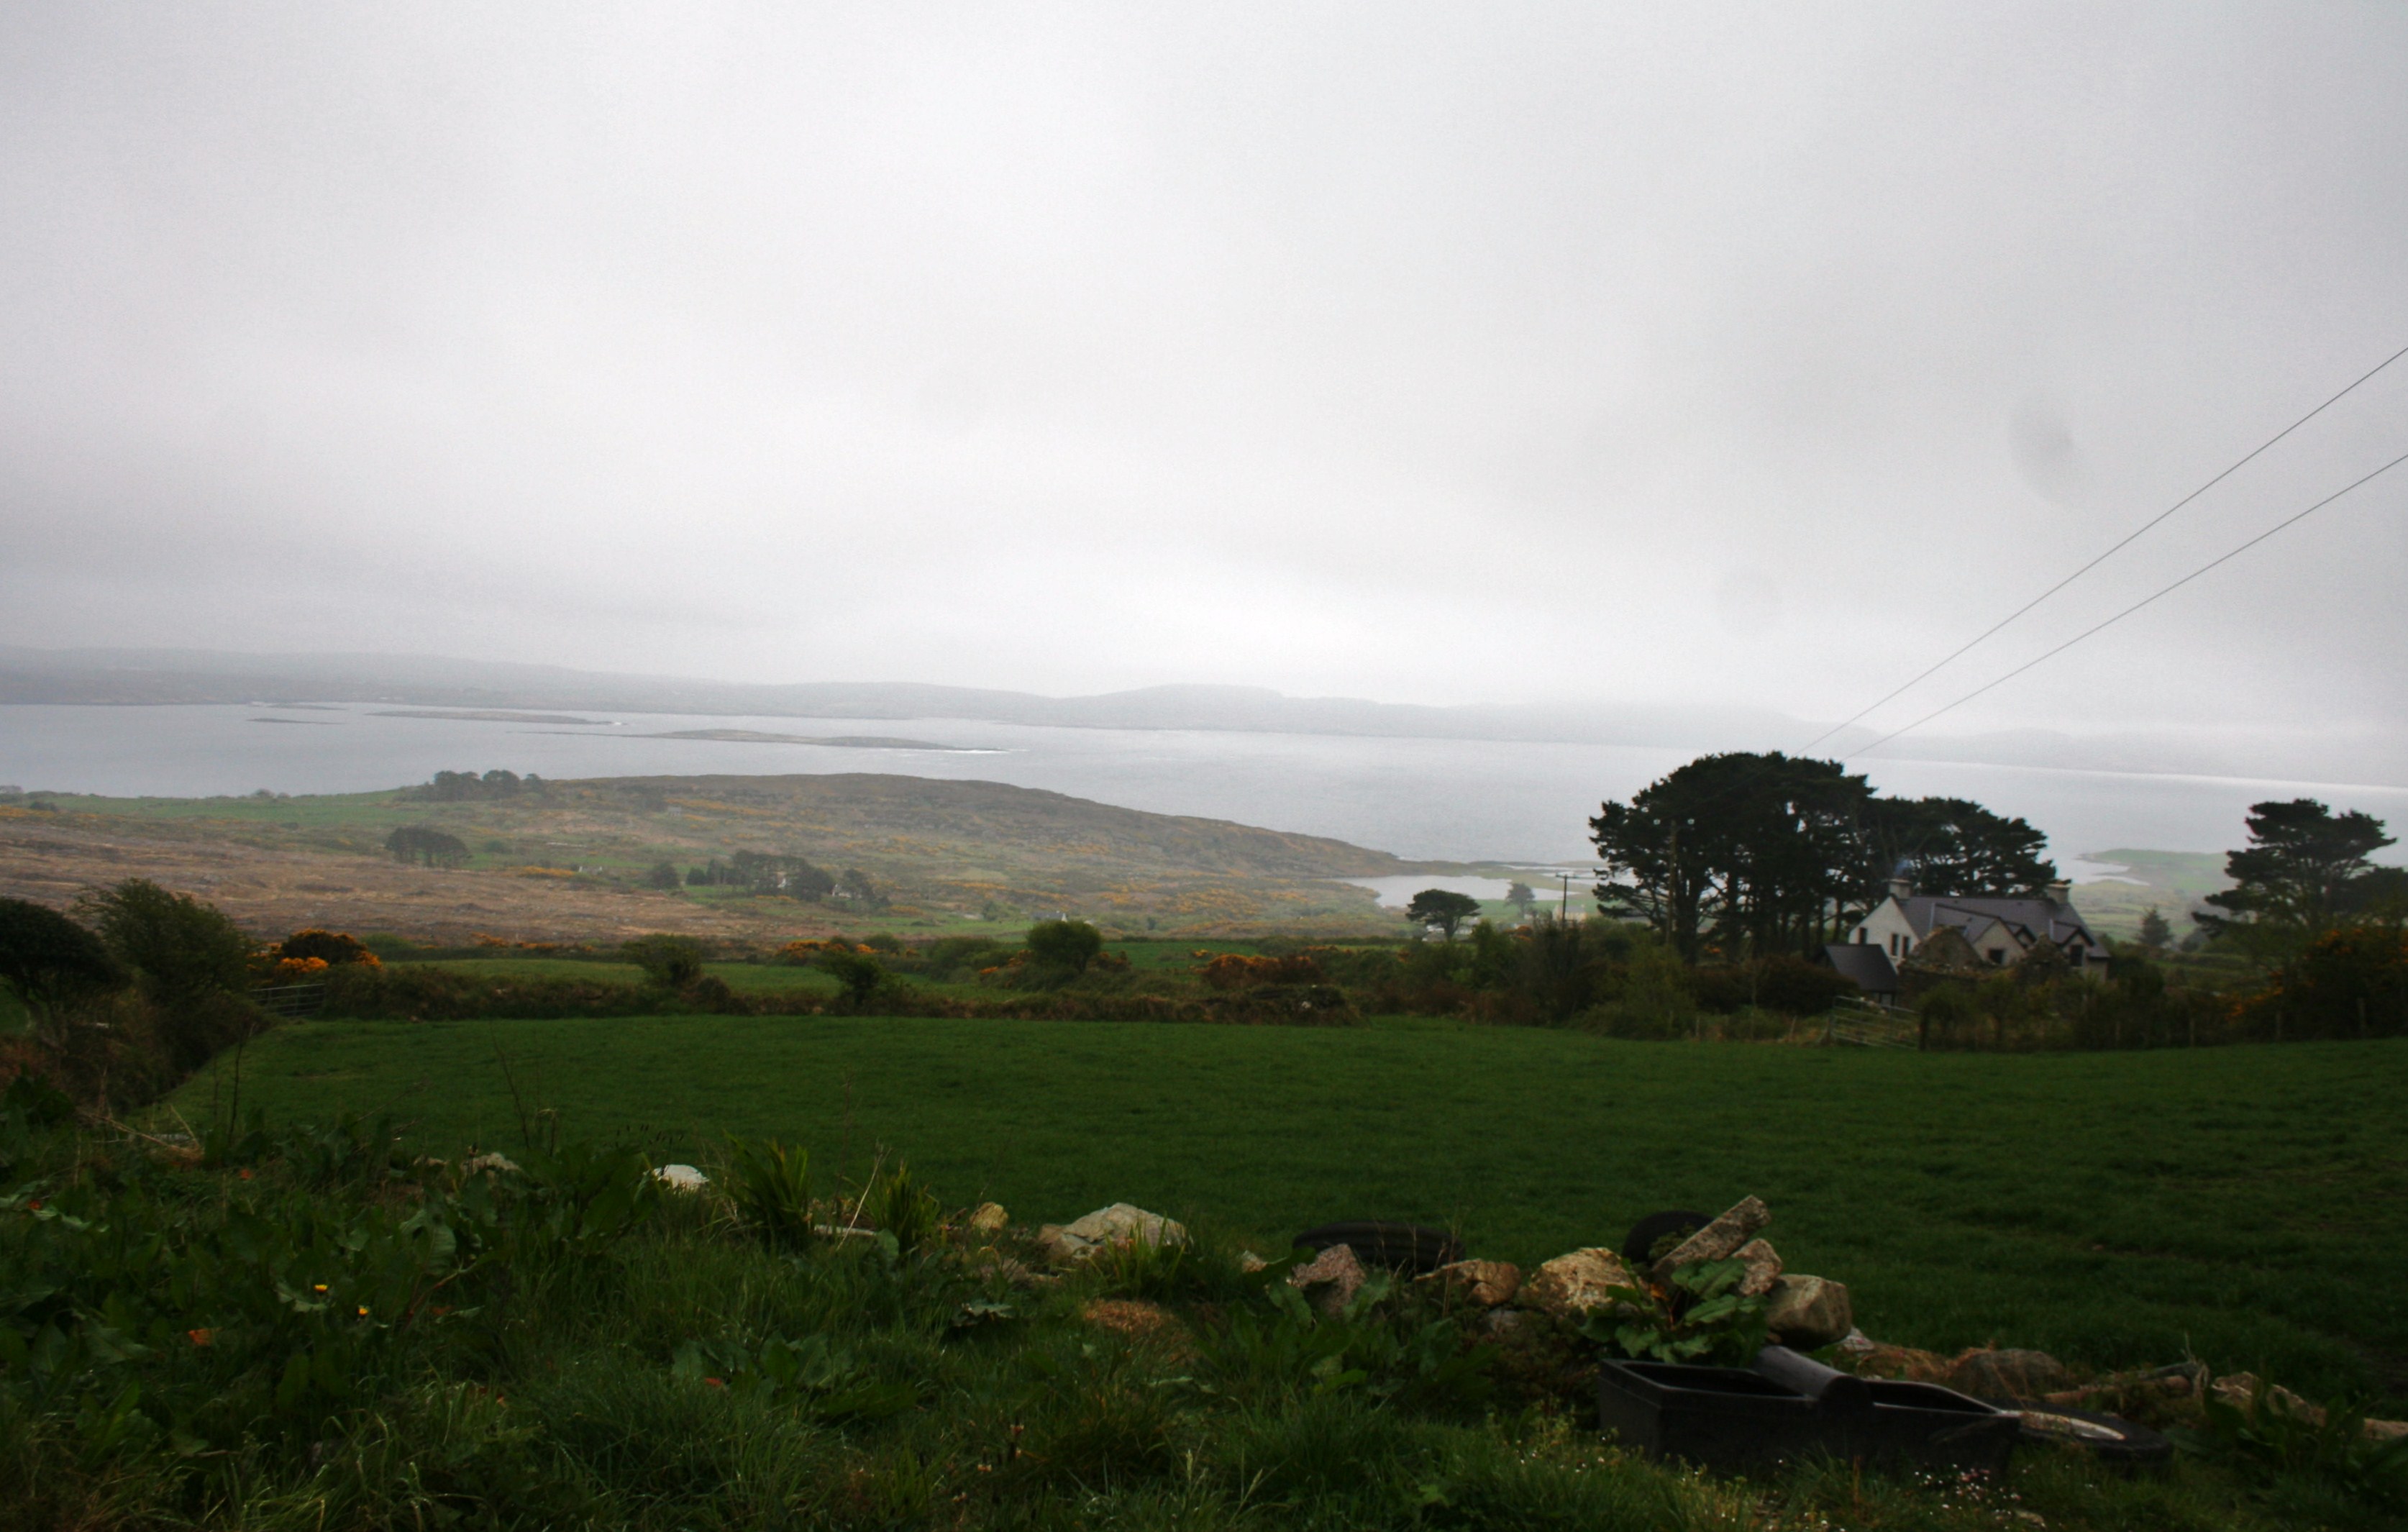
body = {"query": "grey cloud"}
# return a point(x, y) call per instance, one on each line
point(1750, 354)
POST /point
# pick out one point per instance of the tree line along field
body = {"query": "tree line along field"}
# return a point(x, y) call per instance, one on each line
point(2239, 1204)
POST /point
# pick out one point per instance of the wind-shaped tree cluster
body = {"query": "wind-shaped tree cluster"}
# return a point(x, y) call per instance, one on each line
point(1762, 854)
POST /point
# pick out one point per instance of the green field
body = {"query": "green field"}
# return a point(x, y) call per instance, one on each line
point(2243, 1204)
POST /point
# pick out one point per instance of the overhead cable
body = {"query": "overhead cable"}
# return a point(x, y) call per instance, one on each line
point(2169, 590)
point(2127, 539)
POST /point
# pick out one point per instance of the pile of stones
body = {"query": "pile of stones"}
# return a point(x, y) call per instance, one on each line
point(1801, 1311)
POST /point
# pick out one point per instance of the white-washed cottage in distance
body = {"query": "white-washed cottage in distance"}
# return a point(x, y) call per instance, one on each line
point(2000, 930)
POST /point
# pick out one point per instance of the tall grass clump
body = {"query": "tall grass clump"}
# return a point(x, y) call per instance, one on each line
point(768, 1186)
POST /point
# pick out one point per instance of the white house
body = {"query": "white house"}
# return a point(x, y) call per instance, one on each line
point(2000, 930)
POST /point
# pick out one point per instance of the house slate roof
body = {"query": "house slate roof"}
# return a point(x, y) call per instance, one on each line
point(1868, 964)
point(2028, 919)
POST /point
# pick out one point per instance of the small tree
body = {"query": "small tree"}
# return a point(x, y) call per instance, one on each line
point(1441, 907)
point(333, 948)
point(1065, 944)
point(183, 949)
point(2155, 935)
point(48, 961)
point(663, 876)
point(855, 885)
point(671, 961)
point(858, 972)
point(1518, 894)
point(427, 847)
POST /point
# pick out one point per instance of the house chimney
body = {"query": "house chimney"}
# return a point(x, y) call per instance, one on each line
point(2061, 891)
point(1901, 888)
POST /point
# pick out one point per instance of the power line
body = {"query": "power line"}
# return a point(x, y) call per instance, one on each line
point(2117, 546)
point(2127, 538)
point(2136, 606)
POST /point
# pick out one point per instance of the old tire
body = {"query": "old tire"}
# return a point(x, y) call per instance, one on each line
point(1399, 1247)
point(1643, 1234)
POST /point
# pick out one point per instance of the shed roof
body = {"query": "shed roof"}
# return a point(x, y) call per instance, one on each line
point(1864, 963)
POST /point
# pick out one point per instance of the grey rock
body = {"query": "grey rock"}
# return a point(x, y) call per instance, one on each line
point(1486, 1283)
point(2008, 1374)
point(1575, 1283)
point(1806, 1313)
point(1122, 1224)
point(989, 1218)
point(1330, 1279)
point(1763, 1268)
point(1718, 1241)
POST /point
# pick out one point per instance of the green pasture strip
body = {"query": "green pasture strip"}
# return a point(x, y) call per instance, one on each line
point(2245, 1204)
point(746, 977)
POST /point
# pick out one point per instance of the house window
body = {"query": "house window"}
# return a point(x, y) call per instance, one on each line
point(1997, 955)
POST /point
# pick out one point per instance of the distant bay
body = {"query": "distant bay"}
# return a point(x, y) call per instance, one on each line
point(1452, 799)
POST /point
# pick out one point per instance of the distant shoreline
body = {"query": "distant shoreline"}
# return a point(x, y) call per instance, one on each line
point(840, 741)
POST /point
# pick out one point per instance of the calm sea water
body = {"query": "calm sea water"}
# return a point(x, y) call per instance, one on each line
point(1450, 799)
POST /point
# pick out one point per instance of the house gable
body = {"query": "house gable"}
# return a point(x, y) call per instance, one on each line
point(1999, 931)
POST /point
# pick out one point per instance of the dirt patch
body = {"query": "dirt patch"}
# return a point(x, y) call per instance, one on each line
point(1142, 1323)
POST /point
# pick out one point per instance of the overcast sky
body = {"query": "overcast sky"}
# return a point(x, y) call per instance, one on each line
point(1475, 352)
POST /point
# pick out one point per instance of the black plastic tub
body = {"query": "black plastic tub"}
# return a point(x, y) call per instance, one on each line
point(1726, 1418)
point(1930, 1427)
point(1738, 1420)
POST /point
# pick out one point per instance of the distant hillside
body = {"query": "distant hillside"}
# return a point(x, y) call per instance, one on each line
point(570, 862)
point(127, 675)
point(2172, 883)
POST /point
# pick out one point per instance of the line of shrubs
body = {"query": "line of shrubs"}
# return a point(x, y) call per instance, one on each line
point(423, 993)
point(1596, 974)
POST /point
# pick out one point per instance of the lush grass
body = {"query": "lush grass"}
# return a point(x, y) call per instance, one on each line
point(2243, 1203)
point(312, 1331)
